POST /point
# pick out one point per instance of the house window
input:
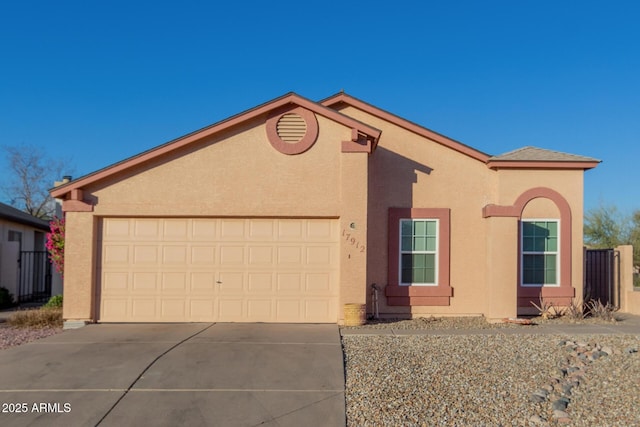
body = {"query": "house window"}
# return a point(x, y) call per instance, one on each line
point(540, 253)
point(418, 251)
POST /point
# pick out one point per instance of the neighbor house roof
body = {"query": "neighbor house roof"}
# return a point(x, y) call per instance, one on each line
point(12, 214)
point(534, 156)
point(358, 128)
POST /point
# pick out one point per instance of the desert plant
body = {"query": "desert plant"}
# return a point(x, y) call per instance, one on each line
point(54, 302)
point(547, 310)
point(575, 310)
point(6, 298)
point(37, 318)
point(595, 308)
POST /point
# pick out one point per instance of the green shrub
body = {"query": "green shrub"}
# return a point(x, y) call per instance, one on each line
point(6, 299)
point(54, 302)
point(37, 318)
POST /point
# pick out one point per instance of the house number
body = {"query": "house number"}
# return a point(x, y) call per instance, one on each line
point(352, 240)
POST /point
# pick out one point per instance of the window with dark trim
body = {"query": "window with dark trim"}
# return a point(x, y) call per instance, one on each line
point(540, 252)
point(419, 253)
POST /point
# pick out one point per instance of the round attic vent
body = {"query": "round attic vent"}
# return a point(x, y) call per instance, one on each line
point(291, 128)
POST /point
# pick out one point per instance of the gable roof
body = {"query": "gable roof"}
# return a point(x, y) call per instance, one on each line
point(530, 156)
point(16, 215)
point(343, 98)
point(290, 98)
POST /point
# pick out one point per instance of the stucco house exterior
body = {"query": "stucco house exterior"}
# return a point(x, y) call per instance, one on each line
point(21, 233)
point(288, 211)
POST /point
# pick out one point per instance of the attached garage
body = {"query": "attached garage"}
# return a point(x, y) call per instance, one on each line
point(291, 210)
point(218, 269)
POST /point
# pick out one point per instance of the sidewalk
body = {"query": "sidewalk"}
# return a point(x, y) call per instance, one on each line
point(627, 325)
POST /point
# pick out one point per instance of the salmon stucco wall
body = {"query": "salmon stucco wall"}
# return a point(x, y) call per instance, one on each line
point(237, 173)
point(408, 170)
point(80, 254)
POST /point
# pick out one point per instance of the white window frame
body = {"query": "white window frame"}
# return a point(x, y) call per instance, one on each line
point(556, 253)
point(436, 252)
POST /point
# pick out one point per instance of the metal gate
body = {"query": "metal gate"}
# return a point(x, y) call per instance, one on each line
point(34, 281)
point(600, 282)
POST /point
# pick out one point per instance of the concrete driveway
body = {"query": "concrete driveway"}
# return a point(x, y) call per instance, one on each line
point(176, 375)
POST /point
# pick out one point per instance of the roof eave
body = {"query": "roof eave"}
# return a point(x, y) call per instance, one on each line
point(62, 191)
point(540, 164)
point(342, 97)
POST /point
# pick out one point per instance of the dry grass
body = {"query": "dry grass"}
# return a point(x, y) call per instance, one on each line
point(36, 318)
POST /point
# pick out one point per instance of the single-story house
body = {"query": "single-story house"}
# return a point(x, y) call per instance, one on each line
point(23, 260)
point(288, 211)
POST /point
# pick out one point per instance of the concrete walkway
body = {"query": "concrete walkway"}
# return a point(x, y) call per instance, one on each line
point(176, 375)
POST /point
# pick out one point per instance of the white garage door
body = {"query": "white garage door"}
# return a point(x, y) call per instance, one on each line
point(218, 269)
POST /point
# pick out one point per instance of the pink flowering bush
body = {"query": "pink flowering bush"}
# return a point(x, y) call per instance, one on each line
point(55, 243)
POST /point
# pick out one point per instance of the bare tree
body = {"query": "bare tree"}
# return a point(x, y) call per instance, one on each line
point(32, 174)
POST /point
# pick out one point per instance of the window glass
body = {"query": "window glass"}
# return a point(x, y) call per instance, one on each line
point(418, 251)
point(539, 253)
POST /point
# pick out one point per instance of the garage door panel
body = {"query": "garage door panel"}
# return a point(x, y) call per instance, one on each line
point(202, 310)
point(316, 310)
point(219, 269)
point(143, 254)
point(144, 281)
point(291, 230)
point(146, 229)
point(262, 230)
point(231, 282)
point(291, 255)
point(260, 255)
point(260, 309)
point(232, 255)
point(321, 230)
point(143, 308)
point(318, 283)
point(175, 229)
point(174, 255)
point(117, 254)
point(289, 310)
point(115, 281)
point(203, 255)
point(289, 282)
point(260, 282)
point(230, 309)
point(232, 229)
point(116, 308)
point(203, 282)
point(174, 282)
point(203, 230)
point(173, 308)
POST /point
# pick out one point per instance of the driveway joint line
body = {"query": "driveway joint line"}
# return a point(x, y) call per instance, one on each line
point(147, 368)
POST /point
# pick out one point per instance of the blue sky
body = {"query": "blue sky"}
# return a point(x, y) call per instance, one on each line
point(97, 82)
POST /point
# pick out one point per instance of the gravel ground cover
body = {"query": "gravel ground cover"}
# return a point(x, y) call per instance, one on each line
point(11, 336)
point(492, 380)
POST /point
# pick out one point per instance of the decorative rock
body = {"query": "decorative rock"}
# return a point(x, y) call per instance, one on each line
point(559, 413)
point(559, 405)
point(536, 419)
point(536, 398)
point(607, 350)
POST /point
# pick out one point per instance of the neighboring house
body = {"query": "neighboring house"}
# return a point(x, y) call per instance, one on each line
point(24, 265)
point(289, 210)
